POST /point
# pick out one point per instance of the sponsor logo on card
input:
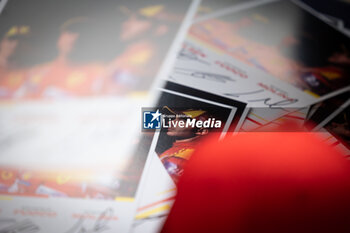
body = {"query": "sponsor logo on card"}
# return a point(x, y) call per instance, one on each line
point(152, 120)
point(184, 119)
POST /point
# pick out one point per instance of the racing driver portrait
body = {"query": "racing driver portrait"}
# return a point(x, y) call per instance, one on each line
point(176, 144)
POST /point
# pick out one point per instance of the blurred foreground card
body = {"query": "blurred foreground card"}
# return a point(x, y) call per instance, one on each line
point(73, 78)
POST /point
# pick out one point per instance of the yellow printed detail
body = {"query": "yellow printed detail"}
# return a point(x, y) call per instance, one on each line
point(36, 78)
point(141, 58)
point(153, 211)
point(6, 198)
point(125, 199)
point(311, 93)
point(260, 18)
point(331, 75)
point(76, 79)
point(62, 179)
point(12, 31)
point(208, 26)
point(14, 79)
point(24, 30)
point(15, 30)
point(138, 94)
point(184, 153)
point(211, 47)
point(194, 114)
point(26, 176)
point(204, 9)
point(151, 10)
point(259, 117)
point(167, 191)
point(6, 175)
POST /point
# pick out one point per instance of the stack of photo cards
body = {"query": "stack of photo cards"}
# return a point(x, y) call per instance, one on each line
point(281, 58)
point(73, 78)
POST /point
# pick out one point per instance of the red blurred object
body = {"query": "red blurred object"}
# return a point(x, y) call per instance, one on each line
point(286, 182)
